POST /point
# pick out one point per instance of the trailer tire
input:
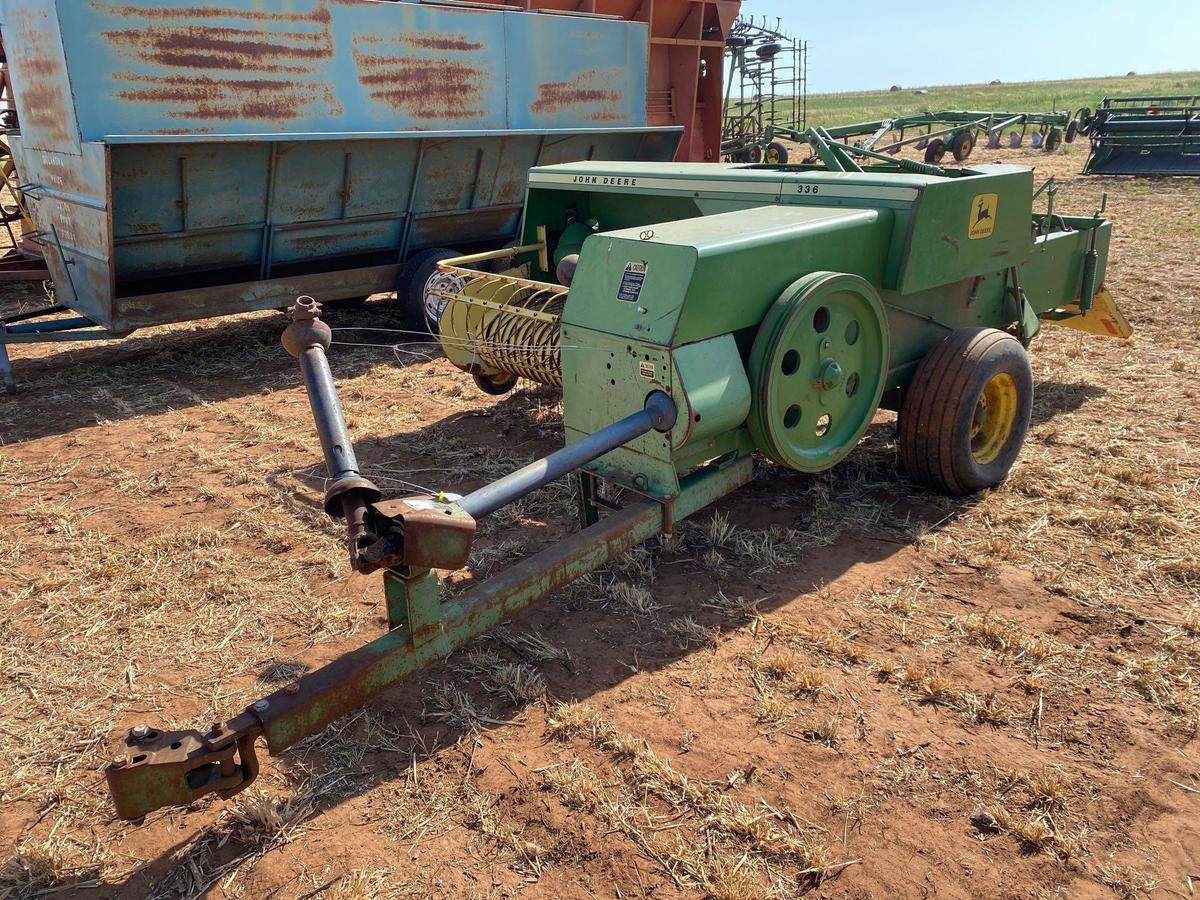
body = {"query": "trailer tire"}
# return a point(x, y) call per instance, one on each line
point(965, 414)
point(935, 151)
point(777, 154)
point(494, 388)
point(962, 145)
point(410, 289)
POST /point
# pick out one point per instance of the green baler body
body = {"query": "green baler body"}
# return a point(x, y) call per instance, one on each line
point(688, 258)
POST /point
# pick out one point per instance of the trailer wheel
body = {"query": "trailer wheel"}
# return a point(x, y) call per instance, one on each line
point(966, 411)
point(494, 388)
point(1053, 139)
point(935, 151)
point(421, 312)
point(777, 154)
point(962, 145)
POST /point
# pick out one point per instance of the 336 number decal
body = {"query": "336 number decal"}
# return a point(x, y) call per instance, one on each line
point(808, 189)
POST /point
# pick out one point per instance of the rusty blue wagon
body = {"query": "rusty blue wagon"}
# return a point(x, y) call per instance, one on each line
point(181, 161)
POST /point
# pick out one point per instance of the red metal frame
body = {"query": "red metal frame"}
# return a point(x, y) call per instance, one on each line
point(687, 37)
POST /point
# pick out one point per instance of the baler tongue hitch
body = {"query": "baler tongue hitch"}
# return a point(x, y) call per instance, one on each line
point(409, 537)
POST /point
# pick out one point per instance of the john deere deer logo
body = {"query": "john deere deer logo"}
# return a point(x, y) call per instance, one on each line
point(983, 216)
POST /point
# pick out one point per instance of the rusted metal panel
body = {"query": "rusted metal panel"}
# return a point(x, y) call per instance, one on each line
point(34, 47)
point(226, 299)
point(252, 66)
point(176, 138)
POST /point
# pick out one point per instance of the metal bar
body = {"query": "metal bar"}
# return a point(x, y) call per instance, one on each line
point(410, 213)
point(473, 134)
point(6, 373)
point(31, 314)
point(67, 263)
point(57, 337)
point(336, 445)
point(46, 327)
point(183, 193)
point(658, 414)
point(323, 696)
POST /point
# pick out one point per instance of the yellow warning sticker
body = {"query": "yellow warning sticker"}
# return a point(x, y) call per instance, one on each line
point(983, 216)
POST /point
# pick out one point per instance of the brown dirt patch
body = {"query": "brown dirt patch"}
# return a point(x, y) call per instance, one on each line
point(988, 697)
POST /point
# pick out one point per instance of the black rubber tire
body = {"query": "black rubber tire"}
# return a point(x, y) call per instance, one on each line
point(780, 153)
point(1053, 139)
point(410, 287)
point(494, 388)
point(962, 145)
point(938, 408)
point(935, 151)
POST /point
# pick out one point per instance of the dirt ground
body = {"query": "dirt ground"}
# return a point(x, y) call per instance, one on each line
point(832, 685)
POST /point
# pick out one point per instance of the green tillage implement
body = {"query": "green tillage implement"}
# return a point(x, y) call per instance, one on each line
point(712, 312)
point(953, 132)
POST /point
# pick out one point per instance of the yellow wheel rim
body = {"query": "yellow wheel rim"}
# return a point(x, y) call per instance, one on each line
point(772, 155)
point(995, 415)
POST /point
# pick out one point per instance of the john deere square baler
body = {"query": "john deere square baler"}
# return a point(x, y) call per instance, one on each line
point(694, 315)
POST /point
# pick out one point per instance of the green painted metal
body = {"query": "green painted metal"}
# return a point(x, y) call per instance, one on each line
point(819, 364)
point(748, 303)
point(1144, 136)
point(942, 248)
point(440, 627)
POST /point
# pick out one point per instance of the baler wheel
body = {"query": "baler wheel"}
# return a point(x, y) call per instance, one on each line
point(964, 415)
point(962, 145)
point(418, 309)
point(817, 370)
point(777, 154)
point(494, 388)
point(935, 151)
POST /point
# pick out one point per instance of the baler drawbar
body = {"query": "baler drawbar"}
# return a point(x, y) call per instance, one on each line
point(694, 315)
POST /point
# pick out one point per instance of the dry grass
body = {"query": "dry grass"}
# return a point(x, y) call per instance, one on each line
point(163, 558)
point(734, 851)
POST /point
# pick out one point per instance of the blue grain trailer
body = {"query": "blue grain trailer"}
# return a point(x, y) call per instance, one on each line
point(182, 159)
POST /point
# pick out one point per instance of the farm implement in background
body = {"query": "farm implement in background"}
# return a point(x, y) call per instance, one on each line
point(1143, 136)
point(951, 132)
point(766, 93)
point(333, 147)
point(894, 284)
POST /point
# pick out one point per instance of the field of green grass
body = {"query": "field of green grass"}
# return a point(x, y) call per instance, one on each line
point(1026, 96)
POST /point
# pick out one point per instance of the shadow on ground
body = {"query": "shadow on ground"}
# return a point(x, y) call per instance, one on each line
point(603, 647)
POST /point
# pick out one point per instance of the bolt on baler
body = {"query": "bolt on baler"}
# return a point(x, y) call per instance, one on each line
point(694, 315)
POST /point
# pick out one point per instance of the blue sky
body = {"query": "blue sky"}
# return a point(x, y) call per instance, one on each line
point(871, 44)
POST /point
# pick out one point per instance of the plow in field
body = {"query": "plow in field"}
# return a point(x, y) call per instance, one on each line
point(950, 132)
point(694, 315)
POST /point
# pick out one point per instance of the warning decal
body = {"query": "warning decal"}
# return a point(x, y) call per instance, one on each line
point(632, 281)
point(983, 216)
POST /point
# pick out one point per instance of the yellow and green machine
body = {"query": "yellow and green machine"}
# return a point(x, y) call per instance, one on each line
point(695, 315)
